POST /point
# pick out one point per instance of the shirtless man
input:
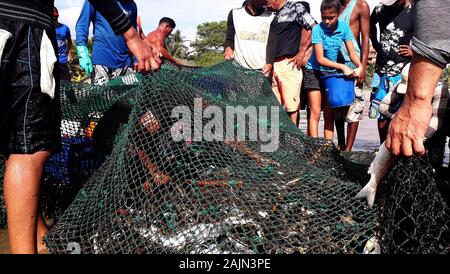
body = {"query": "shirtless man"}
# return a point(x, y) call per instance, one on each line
point(156, 39)
point(357, 14)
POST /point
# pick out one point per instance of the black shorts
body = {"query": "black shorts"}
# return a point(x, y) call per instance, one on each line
point(313, 81)
point(29, 118)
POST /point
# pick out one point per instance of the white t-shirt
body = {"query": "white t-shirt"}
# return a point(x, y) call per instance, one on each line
point(252, 35)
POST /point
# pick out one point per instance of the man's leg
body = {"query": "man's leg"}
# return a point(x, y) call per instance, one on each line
point(328, 115)
point(352, 129)
point(340, 131)
point(42, 230)
point(289, 85)
point(21, 190)
point(294, 117)
point(315, 102)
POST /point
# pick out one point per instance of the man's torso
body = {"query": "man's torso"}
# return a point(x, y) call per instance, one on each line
point(61, 38)
point(288, 28)
point(252, 33)
point(396, 28)
point(110, 50)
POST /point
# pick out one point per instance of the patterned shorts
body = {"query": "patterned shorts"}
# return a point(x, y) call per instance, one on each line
point(102, 74)
point(382, 85)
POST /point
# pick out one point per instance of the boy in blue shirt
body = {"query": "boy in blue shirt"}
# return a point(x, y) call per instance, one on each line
point(64, 41)
point(111, 57)
point(327, 40)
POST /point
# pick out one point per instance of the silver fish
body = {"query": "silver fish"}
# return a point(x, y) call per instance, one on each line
point(384, 159)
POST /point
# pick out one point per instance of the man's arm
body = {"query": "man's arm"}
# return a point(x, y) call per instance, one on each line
point(229, 39)
point(307, 23)
point(121, 25)
point(83, 23)
point(112, 12)
point(354, 57)
point(157, 39)
point(271, 49)
point(373, 30)
point(407, 130)
point(364, 19)
point(82, 36)
point(305, 43)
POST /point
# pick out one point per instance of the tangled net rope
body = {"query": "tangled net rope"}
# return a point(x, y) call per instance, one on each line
point(121, 184)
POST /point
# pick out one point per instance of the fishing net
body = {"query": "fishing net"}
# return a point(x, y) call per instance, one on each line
point(415, 215)
point(123, 184)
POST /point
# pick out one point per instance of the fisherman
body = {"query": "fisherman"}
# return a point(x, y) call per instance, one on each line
point(357, 14)
point(384, 158)
point(293, 31)
point(111, 57)
point(431, 54)
point(158, 37)
point(30, 110)
point(395, 20)
point(250, 38)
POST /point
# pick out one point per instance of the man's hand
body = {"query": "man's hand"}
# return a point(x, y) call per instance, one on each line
point(348, 71)
point(408, 127)
point(405, 51)
point(85, 59)
point(267, 70)
point(154, 48)
point(297, 61)
point(146, 59)
point(362, 76)
point(228, 54)
point(406, 133)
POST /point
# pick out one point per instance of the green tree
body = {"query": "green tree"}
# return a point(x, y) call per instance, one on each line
point(176, 45)
point(209, 58)
point(208, 44)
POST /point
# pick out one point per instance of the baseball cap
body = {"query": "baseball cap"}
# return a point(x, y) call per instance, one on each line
point(388, 2)
point(403, 85)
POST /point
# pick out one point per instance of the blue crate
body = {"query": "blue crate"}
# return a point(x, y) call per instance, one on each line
point(74, 163)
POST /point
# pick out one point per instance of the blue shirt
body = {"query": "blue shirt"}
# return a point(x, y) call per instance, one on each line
point(109, 50)
point(331, 42)
point(62, 35)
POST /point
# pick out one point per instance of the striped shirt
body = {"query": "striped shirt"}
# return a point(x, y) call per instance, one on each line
point(40, 13)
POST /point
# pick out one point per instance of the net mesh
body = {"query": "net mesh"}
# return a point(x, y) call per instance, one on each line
point(122, 184)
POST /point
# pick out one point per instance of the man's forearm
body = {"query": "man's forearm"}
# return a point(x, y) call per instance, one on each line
point(167, 55)
point(423, 78)
point(305, 42)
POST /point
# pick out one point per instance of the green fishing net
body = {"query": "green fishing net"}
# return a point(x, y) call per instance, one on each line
point(122, 184)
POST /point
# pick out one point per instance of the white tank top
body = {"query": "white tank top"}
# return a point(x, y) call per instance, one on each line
point(250, 40)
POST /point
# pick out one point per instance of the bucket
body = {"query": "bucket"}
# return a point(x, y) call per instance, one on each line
point(340, 90)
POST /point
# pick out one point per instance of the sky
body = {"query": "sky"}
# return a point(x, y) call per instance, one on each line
point(188, 14)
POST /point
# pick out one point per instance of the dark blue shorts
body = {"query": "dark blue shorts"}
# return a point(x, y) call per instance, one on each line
point(29, 118)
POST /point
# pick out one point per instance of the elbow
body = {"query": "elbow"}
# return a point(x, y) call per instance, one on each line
point(321, 61)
